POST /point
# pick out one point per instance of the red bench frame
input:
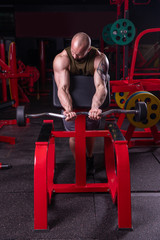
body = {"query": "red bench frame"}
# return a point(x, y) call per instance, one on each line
point(118, 176)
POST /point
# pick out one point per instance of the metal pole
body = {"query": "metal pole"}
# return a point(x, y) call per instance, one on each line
point(2, 56)
point(125, 48)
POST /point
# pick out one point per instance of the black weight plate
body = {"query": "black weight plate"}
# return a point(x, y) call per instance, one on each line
point(142, 111)
point(20, 116)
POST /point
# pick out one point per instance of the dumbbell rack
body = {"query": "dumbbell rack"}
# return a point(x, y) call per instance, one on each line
point(118, 174)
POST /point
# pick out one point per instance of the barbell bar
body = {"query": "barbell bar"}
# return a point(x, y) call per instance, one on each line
point(140, 112)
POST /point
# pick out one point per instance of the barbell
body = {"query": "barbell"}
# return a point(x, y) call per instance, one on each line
point(140, 113)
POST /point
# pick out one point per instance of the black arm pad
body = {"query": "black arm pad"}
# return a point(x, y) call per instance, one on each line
point(82, 89)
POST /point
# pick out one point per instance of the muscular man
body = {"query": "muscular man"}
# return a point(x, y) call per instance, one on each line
point(81, 59)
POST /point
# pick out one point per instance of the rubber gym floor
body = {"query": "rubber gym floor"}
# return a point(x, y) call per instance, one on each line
point(84, 216)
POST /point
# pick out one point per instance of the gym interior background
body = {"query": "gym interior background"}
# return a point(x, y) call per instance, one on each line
point(40, 30)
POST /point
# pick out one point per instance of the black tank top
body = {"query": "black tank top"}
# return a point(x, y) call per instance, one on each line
point(84, 66)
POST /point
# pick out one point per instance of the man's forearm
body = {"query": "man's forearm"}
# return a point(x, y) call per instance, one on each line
point(65, 99)
point(99, 98)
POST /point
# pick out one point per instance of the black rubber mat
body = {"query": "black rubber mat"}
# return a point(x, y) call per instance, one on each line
point(144, 170)
point(145, 217)
point(156, 154)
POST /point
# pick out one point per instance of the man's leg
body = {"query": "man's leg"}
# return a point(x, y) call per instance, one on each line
point(89, 145)
point(89, 157)
point(72, 145)
point(90, 125)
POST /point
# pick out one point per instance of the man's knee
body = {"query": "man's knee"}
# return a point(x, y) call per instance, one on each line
point(72, 140)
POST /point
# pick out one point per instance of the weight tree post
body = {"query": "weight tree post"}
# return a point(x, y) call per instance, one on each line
point(3, 58)
point(13, 66)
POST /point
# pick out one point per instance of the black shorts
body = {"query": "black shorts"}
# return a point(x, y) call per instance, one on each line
point(90, 124)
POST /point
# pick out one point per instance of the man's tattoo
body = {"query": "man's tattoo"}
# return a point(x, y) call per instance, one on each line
point(102, 69)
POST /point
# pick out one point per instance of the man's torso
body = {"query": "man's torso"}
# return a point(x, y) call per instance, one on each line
point(84, 66)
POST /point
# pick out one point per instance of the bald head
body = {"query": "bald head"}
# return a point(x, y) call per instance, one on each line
point(80, 45)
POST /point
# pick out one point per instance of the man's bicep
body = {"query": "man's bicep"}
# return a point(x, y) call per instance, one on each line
point(100, 79)
point(102, 68)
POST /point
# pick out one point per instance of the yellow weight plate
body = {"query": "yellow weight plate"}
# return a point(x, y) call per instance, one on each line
point(120, 98)
point(153, 108)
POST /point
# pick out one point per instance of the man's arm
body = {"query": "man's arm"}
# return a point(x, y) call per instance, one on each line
point(100, 78)
point(62, 78)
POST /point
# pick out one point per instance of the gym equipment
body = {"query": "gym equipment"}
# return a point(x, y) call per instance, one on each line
point(149, 86)
point(115, 146)
point(141, 2)
point(140, 113)
point(28, 82)
point(107, 35)
point(4, 166)
point(116, 153)
point(10, 71)
point(116, 163)
point(120, 98)
point(7, 139)
point(121, 32)
point(81, 86)
point(6, 104)
point(153, 109)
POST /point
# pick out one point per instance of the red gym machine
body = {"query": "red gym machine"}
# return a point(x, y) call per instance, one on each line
point(115, 153)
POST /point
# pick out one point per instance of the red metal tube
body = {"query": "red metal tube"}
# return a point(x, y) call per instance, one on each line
point(2, 56)
point(80, 150)
point(40, 186)
point(123, 188)
point(13, 66)
point(144, 3)
point(136, 49)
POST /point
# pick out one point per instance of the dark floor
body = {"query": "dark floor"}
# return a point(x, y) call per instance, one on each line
point(82, 216)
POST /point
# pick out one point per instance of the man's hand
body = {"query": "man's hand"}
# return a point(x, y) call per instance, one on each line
point(70, 116)
point(95, 114)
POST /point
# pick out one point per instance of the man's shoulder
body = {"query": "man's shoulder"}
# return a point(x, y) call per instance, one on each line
point(100, 57)
point(61, 55)
point(62, 59)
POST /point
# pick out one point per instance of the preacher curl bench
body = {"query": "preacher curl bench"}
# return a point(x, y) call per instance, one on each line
point(115, 152)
